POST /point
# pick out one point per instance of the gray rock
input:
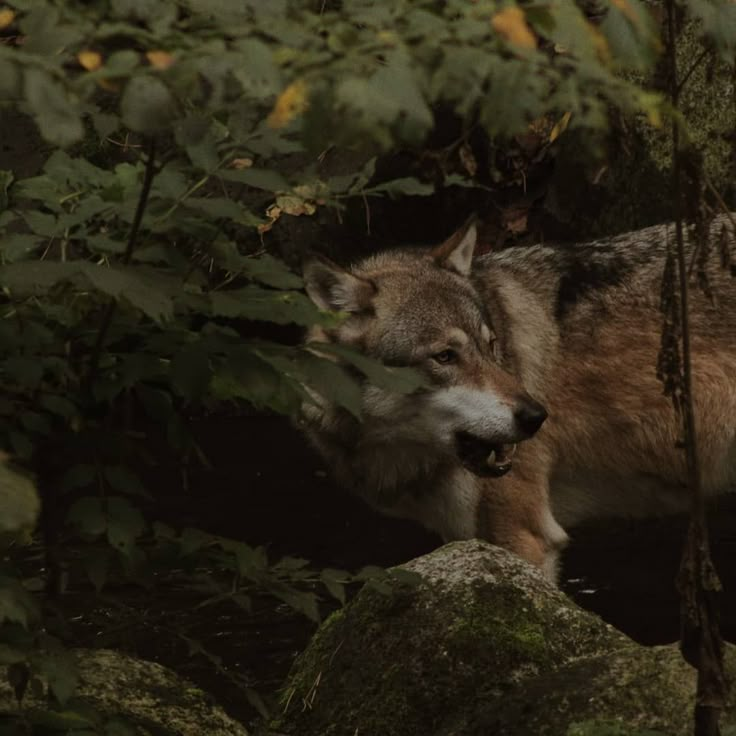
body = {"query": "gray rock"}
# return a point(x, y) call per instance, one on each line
point(483, 646)
point(146, 694)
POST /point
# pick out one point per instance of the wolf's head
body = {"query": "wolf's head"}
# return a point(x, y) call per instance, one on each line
point(420, 309)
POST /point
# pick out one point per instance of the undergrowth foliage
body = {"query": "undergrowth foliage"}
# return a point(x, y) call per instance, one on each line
point(178, 134)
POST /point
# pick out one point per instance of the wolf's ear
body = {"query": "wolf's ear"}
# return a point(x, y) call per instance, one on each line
point(331, 287)
point(456, 253)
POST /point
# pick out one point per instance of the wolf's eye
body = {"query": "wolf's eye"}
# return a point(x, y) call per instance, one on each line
point(445, 357)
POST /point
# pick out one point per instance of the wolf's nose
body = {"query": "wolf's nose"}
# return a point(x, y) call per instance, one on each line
point(530, 416)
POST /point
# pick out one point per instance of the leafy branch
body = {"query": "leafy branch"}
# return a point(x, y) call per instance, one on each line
point(150, 171)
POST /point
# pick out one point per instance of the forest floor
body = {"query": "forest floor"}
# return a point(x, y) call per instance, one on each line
point(266, 487)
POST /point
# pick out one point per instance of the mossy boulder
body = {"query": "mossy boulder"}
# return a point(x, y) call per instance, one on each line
point(482, 645)
point(115, 688)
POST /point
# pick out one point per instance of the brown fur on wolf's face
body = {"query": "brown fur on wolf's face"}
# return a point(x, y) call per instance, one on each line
point(420, 309)
point(578, 329)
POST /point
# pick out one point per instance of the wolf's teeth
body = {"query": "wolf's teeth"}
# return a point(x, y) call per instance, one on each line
point(491, 459)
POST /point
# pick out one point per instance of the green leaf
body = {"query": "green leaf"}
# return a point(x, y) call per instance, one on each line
point(16, 603)
point(257, 303)
point(256, 71)
point(6, 179)
point(124, 480)
point(60, 669)
point(408, 187)
point(125, 524)
point(330, 381)
point(26, 372)
point(271, 271)
point(35, 423)
point(156, 402)
point(10, 80)
point(58, 405)
point(268, 179)
point(21, 445)
point(257, 702)
point(105, 124)
point(334, 581)
point(97, 566)
point(631, 35)
point(303, 602)
point(18, 246)
point(78, 476)
point(405, 577)
point(222, 207)
point(249, 377)
point(10, 655)
point(88, 514)
point(147, 105)
point(57, 118)
point(399, 380)
point(145, 289)
point(191, 372)
point(41, 223)
point(19, 504)
point(192, 540)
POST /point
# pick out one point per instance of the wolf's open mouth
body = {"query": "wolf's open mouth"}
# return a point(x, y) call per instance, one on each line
point(481, 457)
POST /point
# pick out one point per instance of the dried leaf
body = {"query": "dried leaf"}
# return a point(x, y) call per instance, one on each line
point(560, 127)
point(241, 163)
point(468, 159)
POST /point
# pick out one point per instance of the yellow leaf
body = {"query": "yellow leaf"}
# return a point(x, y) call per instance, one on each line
point(560, 127)
point(511, 24)
point(90, 60)
point(159, 59)
point(7, 16)
point(290, 103)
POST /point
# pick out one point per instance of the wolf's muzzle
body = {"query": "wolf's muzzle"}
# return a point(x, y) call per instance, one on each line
point(529, 416)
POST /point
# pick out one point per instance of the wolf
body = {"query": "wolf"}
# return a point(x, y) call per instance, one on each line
point(541, 406)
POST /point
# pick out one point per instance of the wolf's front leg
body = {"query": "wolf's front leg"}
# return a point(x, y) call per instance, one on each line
point(514, 513)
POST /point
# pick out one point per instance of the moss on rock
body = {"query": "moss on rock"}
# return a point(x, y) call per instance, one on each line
point(146, 694)
point(484, 644)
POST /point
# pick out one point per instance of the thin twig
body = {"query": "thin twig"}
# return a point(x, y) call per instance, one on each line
point(692, 68)
point(700, 642)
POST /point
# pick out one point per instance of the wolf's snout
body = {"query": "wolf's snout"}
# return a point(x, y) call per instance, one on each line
point(530, 416)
